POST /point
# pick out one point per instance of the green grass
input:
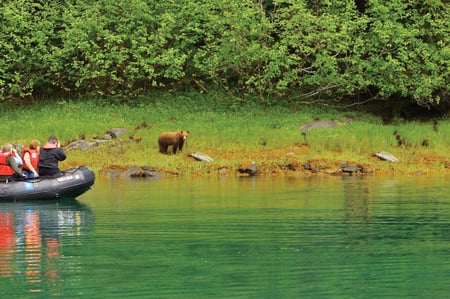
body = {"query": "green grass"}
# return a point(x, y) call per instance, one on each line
point(231, 134)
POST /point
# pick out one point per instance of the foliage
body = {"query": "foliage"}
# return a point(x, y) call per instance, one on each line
point(406, 49)
point(282, 49)
point(316, 48)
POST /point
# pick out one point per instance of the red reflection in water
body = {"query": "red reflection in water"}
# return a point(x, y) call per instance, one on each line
point(7, 244)
point(33, 245)
point(52, 257)
point(35, 254)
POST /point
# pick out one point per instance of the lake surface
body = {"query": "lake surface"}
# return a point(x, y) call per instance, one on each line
point(334, 237)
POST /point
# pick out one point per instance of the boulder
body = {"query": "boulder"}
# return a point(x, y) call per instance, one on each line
point(386, 156)
point(81, 145)
point(201, 157)
point(133, 172)
point(117, 132)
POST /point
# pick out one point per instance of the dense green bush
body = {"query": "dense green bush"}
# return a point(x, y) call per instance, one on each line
point(294, 49)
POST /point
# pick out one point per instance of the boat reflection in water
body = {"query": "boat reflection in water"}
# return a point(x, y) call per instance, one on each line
point(31, 238)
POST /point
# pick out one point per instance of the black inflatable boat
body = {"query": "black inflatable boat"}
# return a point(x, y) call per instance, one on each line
point(71, 184)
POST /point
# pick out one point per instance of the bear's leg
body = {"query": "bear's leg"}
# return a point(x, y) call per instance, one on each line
point(174, 148)
point(163, 149)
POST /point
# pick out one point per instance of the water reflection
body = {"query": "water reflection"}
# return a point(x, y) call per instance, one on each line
point(7, 244)
point(31, 239)
point(356, 199)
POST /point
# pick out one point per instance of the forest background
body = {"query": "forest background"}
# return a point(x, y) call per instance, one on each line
point(338, 52)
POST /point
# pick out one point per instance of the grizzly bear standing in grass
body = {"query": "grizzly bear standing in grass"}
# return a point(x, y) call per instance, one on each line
point(174, 139)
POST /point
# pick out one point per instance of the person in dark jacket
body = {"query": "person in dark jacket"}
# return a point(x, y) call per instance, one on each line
point(50, 154)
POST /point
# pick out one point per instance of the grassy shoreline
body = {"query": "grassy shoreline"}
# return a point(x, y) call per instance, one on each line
point(233, 135)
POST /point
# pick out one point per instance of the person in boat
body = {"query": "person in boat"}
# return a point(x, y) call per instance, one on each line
point(17, 151)
point(8, 165)
point(49, 156)
point(30, 157)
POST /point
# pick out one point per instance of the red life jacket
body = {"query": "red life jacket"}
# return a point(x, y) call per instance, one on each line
point(34, 158)
point(5, 169)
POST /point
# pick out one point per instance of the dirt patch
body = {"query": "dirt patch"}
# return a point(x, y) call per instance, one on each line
point(291, 161)
point(296, 160)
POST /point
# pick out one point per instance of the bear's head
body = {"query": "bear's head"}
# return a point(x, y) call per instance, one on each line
point(184, 135)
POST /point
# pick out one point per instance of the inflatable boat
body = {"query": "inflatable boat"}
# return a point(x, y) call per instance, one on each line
point(71, 184)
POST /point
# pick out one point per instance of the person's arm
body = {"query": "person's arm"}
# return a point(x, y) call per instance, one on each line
point(27, 161)
point(61, 155)
point(11, 162)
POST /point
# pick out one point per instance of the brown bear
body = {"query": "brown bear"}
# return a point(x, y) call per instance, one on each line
point(174, 139)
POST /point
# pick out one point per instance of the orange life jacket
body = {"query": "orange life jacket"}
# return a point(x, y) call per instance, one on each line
point(5, 169)
point(34, 158)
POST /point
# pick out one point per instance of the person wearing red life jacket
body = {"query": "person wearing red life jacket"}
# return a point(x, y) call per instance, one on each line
point(8, 166)
point(30, 157)
point(49, 156)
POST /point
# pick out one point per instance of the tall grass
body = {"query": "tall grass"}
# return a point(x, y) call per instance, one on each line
point(231, 134)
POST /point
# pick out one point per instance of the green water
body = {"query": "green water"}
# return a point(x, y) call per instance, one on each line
point(232, 238)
